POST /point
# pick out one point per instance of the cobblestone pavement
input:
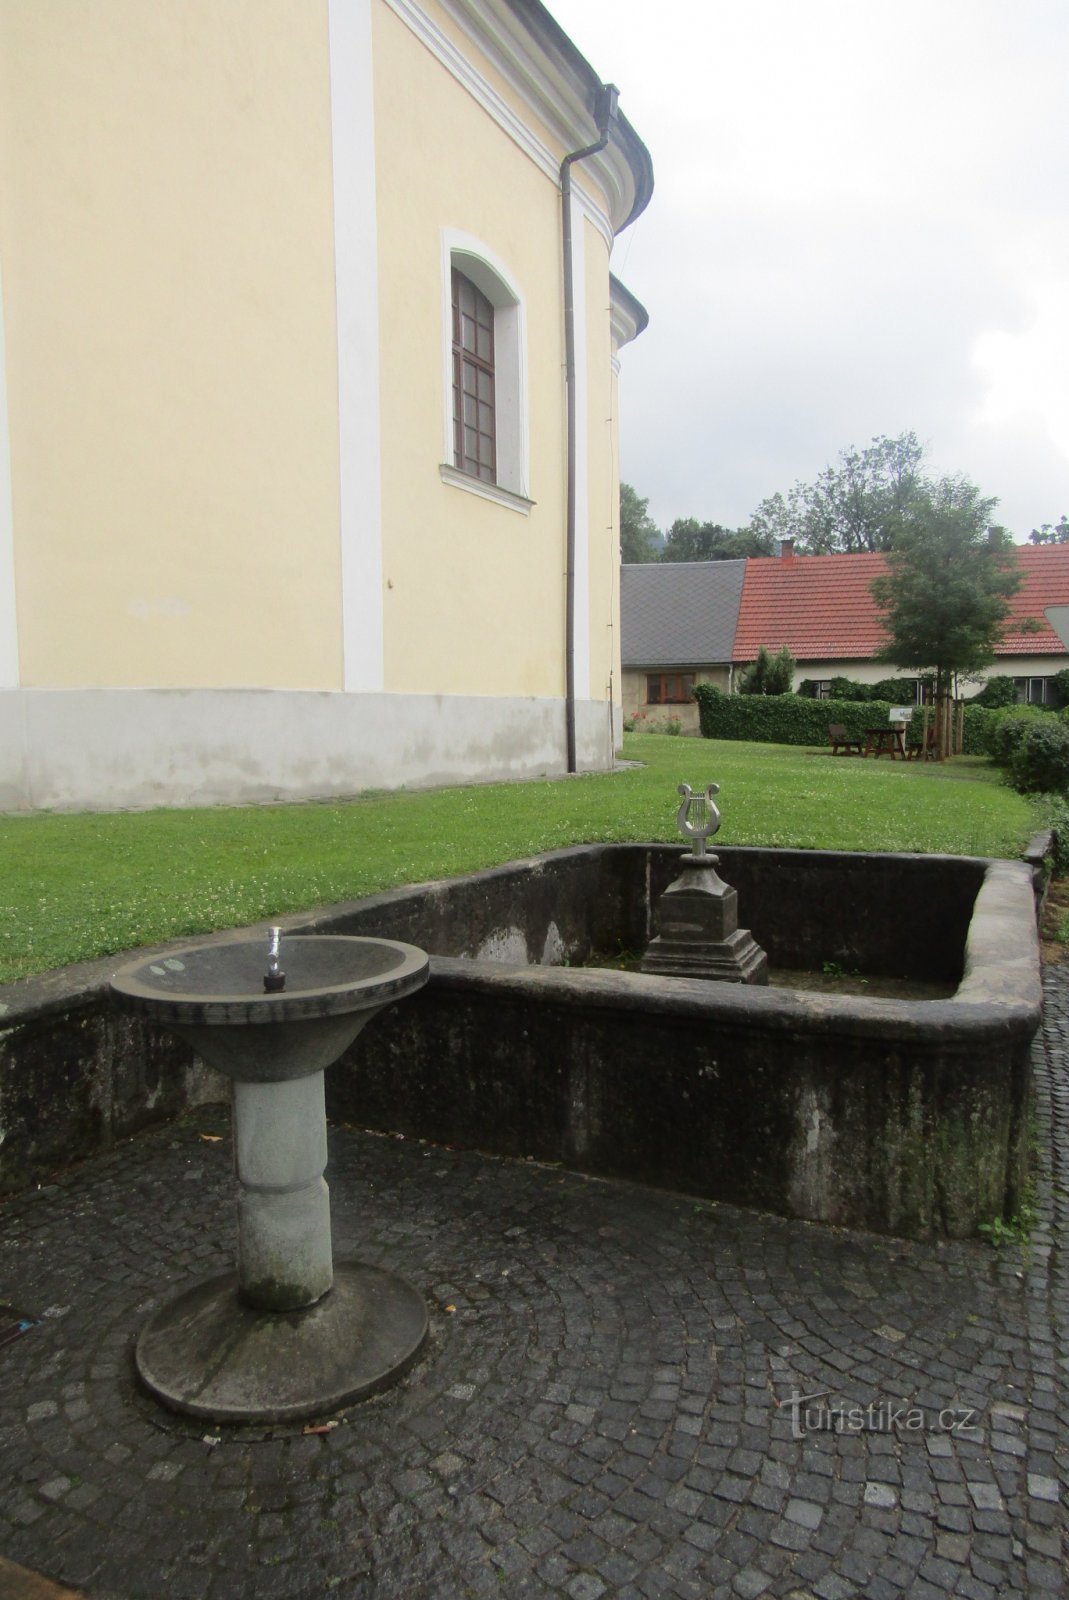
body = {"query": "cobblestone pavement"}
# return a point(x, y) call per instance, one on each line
point(604, 1409)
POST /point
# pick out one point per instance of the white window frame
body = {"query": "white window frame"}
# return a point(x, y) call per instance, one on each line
point(490, 275)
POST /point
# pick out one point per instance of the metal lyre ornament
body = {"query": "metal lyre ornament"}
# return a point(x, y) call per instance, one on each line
point(706, 813)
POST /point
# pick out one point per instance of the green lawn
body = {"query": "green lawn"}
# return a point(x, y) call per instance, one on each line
point(76, 887)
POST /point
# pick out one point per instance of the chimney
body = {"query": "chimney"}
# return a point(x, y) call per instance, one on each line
point(785, 549)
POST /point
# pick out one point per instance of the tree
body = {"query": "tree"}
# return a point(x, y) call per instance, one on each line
point(860, 504)
point(946, 593)
point(1047, 533)
point(769, 674)
point(640, 537)
point(690, 540)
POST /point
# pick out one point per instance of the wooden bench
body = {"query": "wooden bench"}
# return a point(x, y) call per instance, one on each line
point(843, 742)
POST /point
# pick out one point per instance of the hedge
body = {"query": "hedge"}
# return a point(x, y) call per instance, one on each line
point(794, 719)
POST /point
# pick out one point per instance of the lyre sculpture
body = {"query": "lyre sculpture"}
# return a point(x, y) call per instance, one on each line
point(697, 915)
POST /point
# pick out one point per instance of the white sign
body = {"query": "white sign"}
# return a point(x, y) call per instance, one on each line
point(901, 713)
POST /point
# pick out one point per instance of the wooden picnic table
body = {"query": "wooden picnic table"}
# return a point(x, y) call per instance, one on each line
point(885, 741)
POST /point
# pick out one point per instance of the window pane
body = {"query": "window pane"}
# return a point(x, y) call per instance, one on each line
point(473, 393)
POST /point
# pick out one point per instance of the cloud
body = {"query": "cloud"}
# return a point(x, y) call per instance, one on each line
point(857, 229)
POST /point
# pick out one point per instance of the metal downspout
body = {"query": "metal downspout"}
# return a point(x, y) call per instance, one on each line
point(605, 111)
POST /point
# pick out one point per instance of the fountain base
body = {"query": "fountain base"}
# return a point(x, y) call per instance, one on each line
point(699, 934)
point(208, 1355)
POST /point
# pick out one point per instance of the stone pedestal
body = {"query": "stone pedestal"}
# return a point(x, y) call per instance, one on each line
point(292, 1334)
point(699, 935)
point(280, 1148)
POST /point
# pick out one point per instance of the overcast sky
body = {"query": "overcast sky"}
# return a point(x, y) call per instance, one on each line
point(860, 225)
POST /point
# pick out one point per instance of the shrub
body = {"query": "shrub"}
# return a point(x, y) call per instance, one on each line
point(997, 693)
point(1060, 685)
point(891, 690)
point(977, 730)
point(1007, 729)
point(848, 689)
point(769, 674)
point(1040, 761)
point(1058, 821)
point(782, 719)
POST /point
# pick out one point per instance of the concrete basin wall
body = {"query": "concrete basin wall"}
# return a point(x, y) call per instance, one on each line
point(909, 1117)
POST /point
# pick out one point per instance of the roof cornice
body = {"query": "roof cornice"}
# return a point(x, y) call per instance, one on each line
point(628, 316)
point(543, 67)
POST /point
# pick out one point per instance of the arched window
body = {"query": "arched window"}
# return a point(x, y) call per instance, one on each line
point(486, 386)
point(474, 423)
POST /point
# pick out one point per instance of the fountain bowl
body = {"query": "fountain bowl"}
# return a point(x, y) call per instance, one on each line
point(212, 994)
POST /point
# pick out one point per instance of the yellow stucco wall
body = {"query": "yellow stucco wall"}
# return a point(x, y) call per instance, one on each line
point(167, 243)
point(474, 591)
point(167, 247)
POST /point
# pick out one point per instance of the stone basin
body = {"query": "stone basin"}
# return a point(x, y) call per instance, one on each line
point(213, 995)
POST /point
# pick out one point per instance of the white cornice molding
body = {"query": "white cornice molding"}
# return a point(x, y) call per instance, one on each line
point(555, 98)
point(627, 318)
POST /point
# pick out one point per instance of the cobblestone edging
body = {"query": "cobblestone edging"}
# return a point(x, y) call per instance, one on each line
point(605, 1409)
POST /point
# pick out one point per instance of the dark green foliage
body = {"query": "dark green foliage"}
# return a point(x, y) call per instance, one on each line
point(1048, 533)
point(978, 721)
point(997, 693)
point(769, 674)
point(856, 505)
point(950, 576)
point(800, 719)
point(1058, 822)
point(849, 689)
point(808, 688)
point(640, 538)
point(893, 690)
point(781, 719)
point(690, 540)
point(1040, 762)
point(1060, 683)
point(1006, 730)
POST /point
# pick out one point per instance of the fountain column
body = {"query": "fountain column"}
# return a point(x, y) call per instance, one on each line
point(280, 1154)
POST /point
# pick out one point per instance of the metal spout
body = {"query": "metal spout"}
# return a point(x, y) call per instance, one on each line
point(274, 977)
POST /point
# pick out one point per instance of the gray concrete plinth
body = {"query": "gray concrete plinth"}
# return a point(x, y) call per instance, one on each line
point(699, 935)
point(208, 1355)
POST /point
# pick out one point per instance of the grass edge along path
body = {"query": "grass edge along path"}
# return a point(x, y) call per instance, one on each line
point(74, 887)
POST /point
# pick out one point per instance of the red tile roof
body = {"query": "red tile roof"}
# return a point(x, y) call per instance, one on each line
point(821, 607)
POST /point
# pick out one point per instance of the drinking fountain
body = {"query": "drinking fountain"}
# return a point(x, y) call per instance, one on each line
point(291, 1333)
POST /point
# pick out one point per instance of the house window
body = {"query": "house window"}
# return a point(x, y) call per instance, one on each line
point(484, 339)
point(474, 431)
point(669, 688)
point(1035, 691)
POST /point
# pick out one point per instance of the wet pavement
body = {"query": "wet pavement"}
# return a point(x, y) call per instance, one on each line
point(607, 1406)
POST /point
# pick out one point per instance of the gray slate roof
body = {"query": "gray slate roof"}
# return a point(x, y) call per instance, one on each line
point(679, 613)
